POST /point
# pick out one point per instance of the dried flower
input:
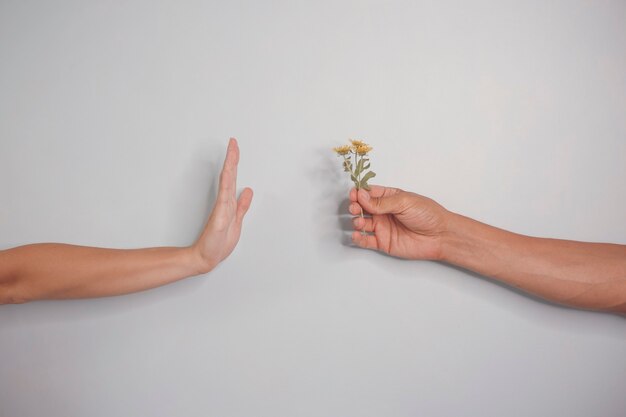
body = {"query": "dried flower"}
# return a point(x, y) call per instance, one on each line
point(356, 163)
point(342, 150)
point(357, 143)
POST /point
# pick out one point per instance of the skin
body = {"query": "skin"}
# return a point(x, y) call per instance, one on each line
point(60, 271)
point(411, 226)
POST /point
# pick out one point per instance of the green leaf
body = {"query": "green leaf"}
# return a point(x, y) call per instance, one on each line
point(359, 167)
point(366, 166)
point(353, 178)
point(366, 178)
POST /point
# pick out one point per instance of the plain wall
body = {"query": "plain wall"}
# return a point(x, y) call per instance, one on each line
point(114, 117)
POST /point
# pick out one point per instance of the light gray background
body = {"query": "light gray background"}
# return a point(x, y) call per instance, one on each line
point(114, 117)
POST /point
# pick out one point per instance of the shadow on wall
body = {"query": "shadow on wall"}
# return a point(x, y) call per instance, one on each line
point(193, 191)
point(330, 214)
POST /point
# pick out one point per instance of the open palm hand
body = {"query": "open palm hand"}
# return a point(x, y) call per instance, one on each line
point(223, 228)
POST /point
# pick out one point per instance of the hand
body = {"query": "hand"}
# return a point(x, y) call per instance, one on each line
point(223, 228)
point(403, 224)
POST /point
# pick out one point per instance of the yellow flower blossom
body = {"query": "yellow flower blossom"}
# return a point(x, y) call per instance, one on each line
point(356, 164)
point(342, 150)
point(357, 143)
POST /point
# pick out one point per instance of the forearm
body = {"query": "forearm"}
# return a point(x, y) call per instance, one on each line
point(58, 271)
point(580, 274)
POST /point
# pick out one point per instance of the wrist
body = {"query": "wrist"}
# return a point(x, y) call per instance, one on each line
point(479, 247)
point(201, 264)
point(458, 239)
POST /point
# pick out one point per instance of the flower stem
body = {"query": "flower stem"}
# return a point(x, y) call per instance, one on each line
point(358, 183)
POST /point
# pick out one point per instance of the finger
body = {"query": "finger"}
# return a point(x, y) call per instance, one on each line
point(365, 241)
point(365, 224)
point(353, 195)
point(378, 191)
point(354, 209)
point(393, 204)
point(228, 176)
point(243, 204)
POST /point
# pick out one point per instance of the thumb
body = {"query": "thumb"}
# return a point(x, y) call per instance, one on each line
point(243, 204)
point(380, 205)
